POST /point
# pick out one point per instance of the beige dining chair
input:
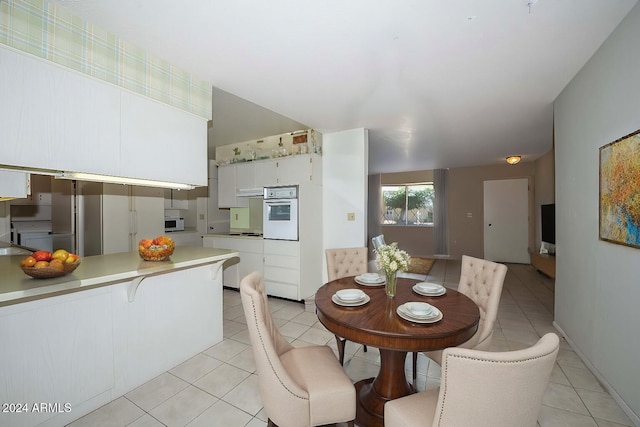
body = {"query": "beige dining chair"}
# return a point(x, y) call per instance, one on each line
point(482, 281)
point(481, 389)
point(344, 262)
point(299, 386)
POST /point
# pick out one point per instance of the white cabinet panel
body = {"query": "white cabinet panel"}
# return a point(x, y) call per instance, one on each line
point(58, 353)
point(282, 268)
point(227, 186)
point(130, 213)
point(14, 184)
point(161, 142)
point(251, 256)
point(294, 170)
point(57, 118)
point(267, 172)
point(245, 176)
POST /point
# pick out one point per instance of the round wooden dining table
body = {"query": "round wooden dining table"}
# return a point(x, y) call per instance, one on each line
point(377, 324)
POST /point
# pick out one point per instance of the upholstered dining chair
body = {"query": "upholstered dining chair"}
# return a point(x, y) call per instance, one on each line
point(481, 389)
point(343, 262)
point(482, 281)
point(299, 386)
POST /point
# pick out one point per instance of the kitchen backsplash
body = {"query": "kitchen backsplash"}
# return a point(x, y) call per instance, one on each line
point(43, 29)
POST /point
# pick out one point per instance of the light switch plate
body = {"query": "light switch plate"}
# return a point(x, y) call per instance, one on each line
point(351, 216)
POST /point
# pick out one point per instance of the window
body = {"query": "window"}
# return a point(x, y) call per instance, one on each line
point(410, 204)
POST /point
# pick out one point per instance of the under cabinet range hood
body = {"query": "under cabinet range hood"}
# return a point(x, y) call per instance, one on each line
point(249, 192)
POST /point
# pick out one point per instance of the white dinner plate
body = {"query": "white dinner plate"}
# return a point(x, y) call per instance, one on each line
point(429, 294)
point(380, 281)
point(406, 315)
point(350, 295)
point(338, 301)
point(428, 311)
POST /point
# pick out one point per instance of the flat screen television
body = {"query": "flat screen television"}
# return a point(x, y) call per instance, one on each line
point(548, 219)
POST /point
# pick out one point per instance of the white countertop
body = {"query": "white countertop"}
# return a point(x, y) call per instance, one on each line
point(99, 270)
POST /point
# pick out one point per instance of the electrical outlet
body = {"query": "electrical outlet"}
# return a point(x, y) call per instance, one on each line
point(351, 216)
point(201, 216)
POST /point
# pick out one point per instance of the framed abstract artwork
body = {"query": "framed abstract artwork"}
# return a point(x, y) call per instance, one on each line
point(620, 191)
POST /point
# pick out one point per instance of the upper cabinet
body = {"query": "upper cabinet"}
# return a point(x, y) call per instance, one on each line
point(57, 119)
point(14, 184)
point(53, 118)
point(161, 142)
point(236, 179)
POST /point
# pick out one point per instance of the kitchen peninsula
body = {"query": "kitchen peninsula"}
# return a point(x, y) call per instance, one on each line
point(80, 341)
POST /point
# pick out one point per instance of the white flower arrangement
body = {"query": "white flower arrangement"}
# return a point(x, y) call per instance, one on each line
point(391, 259)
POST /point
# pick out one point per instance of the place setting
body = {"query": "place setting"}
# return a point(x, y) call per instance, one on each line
point(370, 279)
point(419, 312)
point(350, 298)
point(429, 289)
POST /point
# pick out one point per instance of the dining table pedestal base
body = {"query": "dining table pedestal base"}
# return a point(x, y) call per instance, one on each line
point(373, 393)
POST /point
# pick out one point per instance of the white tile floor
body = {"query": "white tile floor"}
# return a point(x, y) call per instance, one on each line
point(219, 387)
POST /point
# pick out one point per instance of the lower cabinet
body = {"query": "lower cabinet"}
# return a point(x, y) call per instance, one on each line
point(282, 268)
point(251, 257)
point(277, 260)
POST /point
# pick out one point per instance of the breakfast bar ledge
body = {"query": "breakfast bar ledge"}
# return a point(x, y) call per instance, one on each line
point(72, 344)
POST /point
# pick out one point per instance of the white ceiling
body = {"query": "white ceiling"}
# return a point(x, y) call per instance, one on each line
point(438, 83)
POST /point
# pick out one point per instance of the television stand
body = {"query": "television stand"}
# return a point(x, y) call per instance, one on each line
point(545, 263)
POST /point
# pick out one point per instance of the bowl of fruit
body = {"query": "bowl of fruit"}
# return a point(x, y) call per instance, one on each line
point(158, 249)
point(45, 264)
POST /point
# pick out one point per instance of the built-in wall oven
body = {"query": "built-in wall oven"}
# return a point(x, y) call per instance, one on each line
point(280, 213)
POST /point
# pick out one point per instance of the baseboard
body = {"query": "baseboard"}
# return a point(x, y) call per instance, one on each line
point(635, 419)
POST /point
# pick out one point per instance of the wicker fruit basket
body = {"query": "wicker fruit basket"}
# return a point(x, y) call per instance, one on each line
point(50, 272)
point(158, 249)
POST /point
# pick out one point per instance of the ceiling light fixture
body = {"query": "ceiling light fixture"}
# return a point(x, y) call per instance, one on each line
point(513, 160)
point(79, 176)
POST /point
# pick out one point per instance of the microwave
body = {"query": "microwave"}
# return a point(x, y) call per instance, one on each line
point(174, 224)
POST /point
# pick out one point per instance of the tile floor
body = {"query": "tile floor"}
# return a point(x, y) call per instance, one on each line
point(219, 387)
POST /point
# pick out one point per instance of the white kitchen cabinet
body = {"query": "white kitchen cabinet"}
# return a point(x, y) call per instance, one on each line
point(14, 184)
point(293, 170)
point(129, 214)
point(267, 172)
point(245, 176)
point(40, 192)
point(227, 186)
point(161, 142)
point(296, 169)
point(55, 118)
point(282, 268)
point(240, 177)
point(59, 119)
point(251, 256)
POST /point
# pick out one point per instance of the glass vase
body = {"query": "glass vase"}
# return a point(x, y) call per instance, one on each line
point(390, 284)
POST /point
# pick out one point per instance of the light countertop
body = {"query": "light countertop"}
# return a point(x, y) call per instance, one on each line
point(99, 270)
point(234, 235)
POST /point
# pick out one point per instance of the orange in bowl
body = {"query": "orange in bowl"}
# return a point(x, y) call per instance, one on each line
point(160, 248)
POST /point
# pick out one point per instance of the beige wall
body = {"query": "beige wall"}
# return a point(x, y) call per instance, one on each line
point(466, 235)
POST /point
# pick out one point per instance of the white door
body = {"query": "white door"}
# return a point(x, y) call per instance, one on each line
point(506, 220)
